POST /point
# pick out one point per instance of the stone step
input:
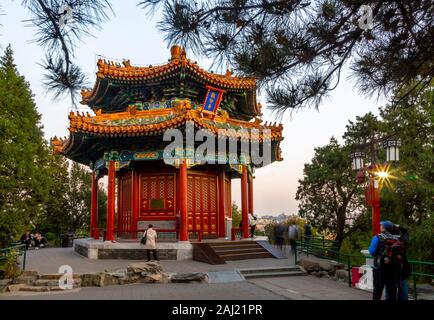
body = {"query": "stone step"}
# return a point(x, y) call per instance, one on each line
point(244, 256)
point(235, 250)
point(248, 245)
point(273, 274)
point(56, 276)
point(35, 289)
point(269, 269)
point(54, 283)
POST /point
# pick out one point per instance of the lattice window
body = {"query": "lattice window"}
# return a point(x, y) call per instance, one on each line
point(190, 194)
point(170, 191)
point(153, 188)
point(198, 195)
point(213, 191)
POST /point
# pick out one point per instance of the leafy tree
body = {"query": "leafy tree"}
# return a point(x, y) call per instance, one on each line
point(328, 194)
point(236, 215)
point(70, 201)
point(297, 48)
point(23, 153)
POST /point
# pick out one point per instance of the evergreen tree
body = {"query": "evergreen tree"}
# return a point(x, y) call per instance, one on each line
point(23, 152)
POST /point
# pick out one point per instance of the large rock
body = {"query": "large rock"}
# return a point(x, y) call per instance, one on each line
point(98, 280)
point(139, 267)
point(341, 274)
point(188, 277)
point(4, 284)
point(29, 280)
point(16, 287)
point(155, 278)
point(309, 264)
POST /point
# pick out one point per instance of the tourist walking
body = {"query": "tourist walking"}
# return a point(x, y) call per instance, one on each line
point(388, 251)
point(151, 245)
point(279, 235)
point(293, 237)
point(252, 224)
point(307, 234)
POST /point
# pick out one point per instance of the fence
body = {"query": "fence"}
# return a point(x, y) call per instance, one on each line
point(324, 248)
point(20, 250)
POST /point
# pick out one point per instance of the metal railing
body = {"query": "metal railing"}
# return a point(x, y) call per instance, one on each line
point(325, 249)
point(134, 232)
point(20, 249)
point(235, 232)
point(420, 273)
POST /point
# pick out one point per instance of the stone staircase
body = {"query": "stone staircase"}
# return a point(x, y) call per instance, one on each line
point(239, 250)
point(265, 272)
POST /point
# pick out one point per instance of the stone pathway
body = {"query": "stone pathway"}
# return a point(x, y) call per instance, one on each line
point(49, 260)
point(173, 291)
point(311, 288)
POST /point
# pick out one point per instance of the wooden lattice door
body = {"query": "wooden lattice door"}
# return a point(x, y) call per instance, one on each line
point(202, 203)
point(125, 219)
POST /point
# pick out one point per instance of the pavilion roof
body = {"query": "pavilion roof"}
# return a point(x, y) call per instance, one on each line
point(156, 122)
point(177, 64)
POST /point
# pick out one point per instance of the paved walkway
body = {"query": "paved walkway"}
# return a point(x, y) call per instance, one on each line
point(48, 260)
point(311, 288)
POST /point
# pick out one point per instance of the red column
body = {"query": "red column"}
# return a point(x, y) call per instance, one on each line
point(111, 201)
point(94, 208)
point(244, 202)
point(135, 199)
point(183, 233)
point(376, 216)
point(222, 202)
point(251, 194)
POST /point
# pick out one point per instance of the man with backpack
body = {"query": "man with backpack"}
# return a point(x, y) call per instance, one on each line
point(388, 251)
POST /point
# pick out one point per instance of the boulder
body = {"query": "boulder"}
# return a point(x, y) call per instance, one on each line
point(341, 274)
point(4, 284)
point(155, 278)
point(96, 280)
point(188, 277)
point(324, 274)
point(35, 289)
point(15, 287)
point(309, 264)
point(29, 280)
point(139, 267)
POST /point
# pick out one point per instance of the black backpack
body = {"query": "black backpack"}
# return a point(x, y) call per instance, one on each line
point(392, 251)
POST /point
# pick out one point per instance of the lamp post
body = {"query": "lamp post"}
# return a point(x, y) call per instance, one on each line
point(376, 174)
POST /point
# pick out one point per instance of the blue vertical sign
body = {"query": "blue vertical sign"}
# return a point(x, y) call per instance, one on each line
point(212, 100)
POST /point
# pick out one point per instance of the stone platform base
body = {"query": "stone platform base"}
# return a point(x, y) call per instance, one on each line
point(97, 249)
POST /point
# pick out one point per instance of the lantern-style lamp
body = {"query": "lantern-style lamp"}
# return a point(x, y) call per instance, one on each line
point(392, 149)
point(357, 160)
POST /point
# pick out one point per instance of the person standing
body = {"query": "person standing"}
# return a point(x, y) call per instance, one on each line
point(252, 224)
point(293, 236)
point(26, 239)
point(387, 268)
point(151, 245)
point(307, 234)
point(279, 235)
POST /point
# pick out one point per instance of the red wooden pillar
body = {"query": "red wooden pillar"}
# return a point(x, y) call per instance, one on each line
point(244, 202)
point(111, 201)
point(251, 194)
point(376, 215)
point(94, 208)
point(222, 203)
point(135, 200)
point(183, 234)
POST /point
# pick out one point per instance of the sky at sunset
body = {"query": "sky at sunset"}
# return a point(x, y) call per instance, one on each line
point(131, 34)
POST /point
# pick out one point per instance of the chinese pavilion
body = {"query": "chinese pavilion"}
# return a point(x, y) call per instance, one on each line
point(134, 107)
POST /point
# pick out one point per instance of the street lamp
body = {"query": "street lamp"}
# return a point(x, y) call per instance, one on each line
point(392, 149)
point(357, 160)
point(376, 173)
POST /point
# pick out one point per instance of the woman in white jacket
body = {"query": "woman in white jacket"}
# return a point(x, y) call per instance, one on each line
point(151, 236)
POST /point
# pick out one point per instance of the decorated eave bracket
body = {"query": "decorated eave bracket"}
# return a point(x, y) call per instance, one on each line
point(175, 158)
